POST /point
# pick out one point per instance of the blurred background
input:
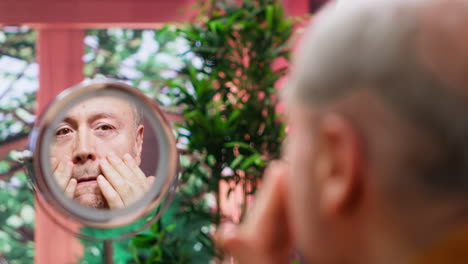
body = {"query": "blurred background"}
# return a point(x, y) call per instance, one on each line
point(214, 67)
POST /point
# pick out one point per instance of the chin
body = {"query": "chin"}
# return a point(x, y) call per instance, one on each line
point(93, 202)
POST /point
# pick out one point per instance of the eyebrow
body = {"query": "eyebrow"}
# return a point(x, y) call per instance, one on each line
point(70, 121)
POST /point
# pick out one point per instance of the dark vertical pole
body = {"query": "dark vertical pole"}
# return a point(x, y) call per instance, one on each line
point(108, 252)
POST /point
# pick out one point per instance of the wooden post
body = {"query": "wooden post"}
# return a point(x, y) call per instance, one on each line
point(60, 53)
point(297, 7)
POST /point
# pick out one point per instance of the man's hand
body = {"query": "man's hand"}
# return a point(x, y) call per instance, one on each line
point(264, 237)
point(62, 174)
point(124, 182)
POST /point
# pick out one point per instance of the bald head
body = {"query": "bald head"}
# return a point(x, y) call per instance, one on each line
point(411, 56)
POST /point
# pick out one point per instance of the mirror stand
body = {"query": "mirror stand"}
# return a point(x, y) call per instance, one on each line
point(108, 253)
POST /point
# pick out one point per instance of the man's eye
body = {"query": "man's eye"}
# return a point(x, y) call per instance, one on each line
point(63, 131)
point(105, 127)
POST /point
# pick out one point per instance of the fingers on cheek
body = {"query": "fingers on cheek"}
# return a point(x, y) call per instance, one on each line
point(121, 170)
point(116, 161)
point(68, 168)
point(106, 166)
point(129, 160)
point(53, 162)
point(131, 163)
point(59, 168)
point(150, 180)
point(128, 168)
point(71, 187)
point(110, 173)
point(104, 185)
point(73, 182)
point(112, 197)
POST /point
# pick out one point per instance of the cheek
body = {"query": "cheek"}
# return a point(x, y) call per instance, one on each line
point(119, 145)
point(60, 151)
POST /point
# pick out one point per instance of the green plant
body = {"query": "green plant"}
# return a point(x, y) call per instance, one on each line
point(17, 103)
point(16, 219)
point(230, 111)
point(231, 128)
point(173, 239)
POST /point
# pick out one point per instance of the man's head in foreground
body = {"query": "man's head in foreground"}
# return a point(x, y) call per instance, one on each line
point(378, 154)
point(96, 153)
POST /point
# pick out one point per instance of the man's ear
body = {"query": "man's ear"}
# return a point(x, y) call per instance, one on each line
point(340, 165)
point(139, 143)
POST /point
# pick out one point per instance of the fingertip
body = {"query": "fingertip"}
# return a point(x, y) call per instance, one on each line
point(101, 181)
point(73, 184)
point(70, 190)
point(229, 228)
point(230, 240)
point(130, 160)
point(100, 177)
point(226, 233)
point(151, 179)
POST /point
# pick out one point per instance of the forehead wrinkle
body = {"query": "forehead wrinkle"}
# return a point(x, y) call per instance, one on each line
point(102, 107)
point(104, 115)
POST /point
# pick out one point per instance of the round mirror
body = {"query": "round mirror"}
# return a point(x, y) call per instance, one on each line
point(103, 156)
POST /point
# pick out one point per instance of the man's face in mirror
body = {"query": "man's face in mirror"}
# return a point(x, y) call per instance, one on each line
point(96, 153)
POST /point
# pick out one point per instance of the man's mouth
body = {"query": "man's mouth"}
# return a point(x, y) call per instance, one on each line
point(86, 179)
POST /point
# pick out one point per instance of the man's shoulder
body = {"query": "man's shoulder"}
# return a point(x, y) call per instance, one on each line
point(451, 249)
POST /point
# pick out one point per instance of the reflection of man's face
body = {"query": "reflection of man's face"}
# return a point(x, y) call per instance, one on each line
point(90, 131)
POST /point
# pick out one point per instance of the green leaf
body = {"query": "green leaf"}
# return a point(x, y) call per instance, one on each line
point(254, 158)
point(233, 116)
point(238, 144)
point(171, 227)
point(144, 241)
point(269, 16)
point(236, 162)
point(4, 166)
point(134, 251)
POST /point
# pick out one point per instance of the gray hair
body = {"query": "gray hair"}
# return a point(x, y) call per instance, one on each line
point(138, 114)
point(376, 45)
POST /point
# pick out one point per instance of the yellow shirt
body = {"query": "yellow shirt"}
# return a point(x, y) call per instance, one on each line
point(451, 250)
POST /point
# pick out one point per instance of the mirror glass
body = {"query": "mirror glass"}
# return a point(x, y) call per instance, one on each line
point(97, 155)
point(104, 155)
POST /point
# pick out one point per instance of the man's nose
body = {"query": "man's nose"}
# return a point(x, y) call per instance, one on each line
point(83, 149)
